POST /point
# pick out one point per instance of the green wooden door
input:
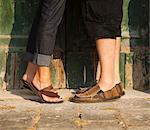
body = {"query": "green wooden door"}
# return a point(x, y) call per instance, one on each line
point(15, 21)
point(135, 41)
point(16, 17)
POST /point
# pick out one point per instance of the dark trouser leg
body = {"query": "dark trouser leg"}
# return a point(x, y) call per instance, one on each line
point(102, 18)
point(31, 45)
point(44, 31)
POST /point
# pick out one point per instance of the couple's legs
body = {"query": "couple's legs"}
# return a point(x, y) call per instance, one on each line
point(44, 43)
point(109, 53)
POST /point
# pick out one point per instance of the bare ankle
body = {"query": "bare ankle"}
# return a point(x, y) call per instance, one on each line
point(117, 78)
point(44, 75)
point(117, 82)
point(105, 86)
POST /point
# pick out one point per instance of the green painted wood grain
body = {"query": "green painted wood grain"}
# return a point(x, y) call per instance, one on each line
point(2, 60)
point(6, 16)
point(125, 15)
point(14, 42)
point(122, 67)
point(16, 16)
point(80, 69)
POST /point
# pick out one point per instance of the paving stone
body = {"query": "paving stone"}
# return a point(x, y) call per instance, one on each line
point(139, 128)
point(137, 118)
point(19, 112)
point(13, 120)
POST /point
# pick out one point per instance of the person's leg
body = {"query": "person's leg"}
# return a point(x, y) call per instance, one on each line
point(103, 24)
point(42, 82)
point(51, 15)
point(106, 53)
point(98, 72)
point(41, 45)
point(117, 60)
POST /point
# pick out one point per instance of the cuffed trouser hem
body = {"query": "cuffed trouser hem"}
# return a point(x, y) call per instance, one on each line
point(39, 59)
point(42, 60)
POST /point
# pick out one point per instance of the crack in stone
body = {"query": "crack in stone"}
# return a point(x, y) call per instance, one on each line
point(118, 116)
point(121, 120)
point(79, 122)
point(35, 120)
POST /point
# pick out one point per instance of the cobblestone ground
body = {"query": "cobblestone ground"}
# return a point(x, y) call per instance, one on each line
point(19, 112)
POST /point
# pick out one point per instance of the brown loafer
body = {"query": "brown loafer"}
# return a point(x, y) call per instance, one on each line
point(94, 95)
point(92, 91)
point(119, 87)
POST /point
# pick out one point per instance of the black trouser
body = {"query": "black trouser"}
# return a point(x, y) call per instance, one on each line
point(103, 18)
point(42, 37)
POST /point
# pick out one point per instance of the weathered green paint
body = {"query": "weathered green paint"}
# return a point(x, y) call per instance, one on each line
point(15, 67)
point(6, 16)
point(16, 16)
point(2, 66)
point(129, 58)
point(24, 13)
point(1, 82)
point(138, 18)
point(21, 66)
point(58, 74)
point(2, 60)
point(122, 67)
point(15, 21)
point(16, 42)
point(125, 16)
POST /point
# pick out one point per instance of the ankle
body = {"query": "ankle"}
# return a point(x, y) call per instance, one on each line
point(45, 81)
point(44, 74)
point(45, 84)
point(117, 80)
point(40, 84)
point(105, 86)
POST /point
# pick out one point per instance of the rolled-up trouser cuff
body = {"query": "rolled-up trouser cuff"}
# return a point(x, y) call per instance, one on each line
point(42, 60)
point(28, 57)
